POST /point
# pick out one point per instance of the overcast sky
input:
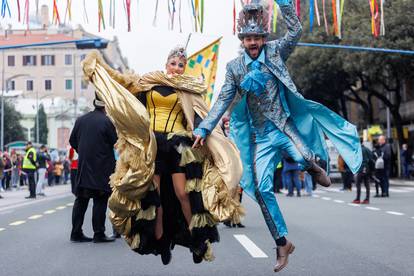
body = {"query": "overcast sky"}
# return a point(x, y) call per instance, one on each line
point(147, 46)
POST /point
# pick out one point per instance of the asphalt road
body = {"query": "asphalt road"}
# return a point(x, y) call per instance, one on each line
point(331, 236)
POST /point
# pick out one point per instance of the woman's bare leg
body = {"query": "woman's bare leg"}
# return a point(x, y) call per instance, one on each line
point(179, 181)
point(158, 220)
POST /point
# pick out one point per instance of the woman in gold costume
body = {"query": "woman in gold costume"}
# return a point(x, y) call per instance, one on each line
point(165, 192)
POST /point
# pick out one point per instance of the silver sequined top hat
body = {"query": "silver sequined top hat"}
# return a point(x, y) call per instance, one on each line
point(253, 20)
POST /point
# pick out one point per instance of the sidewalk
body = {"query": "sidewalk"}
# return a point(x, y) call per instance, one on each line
point(13, 199)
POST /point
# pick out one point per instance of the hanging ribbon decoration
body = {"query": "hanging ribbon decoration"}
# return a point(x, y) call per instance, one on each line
point(339, 6)
point(26, 14)
point(275, 11)
point(179, 17)
point(68, 10)
point(85, 14)
point(269, 14)
point(318, 18)
point(110, 13)
point(128, 11)
point(382, 32)
point(202, 15)
point(18, 9)
point(335, 17)
point(5, 7)
point(311, 14)
point(101, 18)
point(374, 18)
point(234, 17)
point(195, 8)
point(298, 8)
point(325, 21)
point(56, 17)
point(154, 21)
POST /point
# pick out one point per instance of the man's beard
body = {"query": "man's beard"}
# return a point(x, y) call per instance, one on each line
point(253, 48)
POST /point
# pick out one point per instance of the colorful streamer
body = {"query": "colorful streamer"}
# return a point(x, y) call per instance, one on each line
point(318, 18)
point(68, 10)
point(85, 14)
point(298, 8)
point(275, 11)
point(270, 14)
point(335, 17)
point(26, 13)
point(18, 9)
point(128, 10)
point(382, 18)
point(234, 17)
point(101, 18)
point(311, 14)
point(5, 8)
point(56, 17)
point(324, 17)
point(154, 21)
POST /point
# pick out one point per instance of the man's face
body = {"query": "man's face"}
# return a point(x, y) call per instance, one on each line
point(253, 44)
point(381, 140)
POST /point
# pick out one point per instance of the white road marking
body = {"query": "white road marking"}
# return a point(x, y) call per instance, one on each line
point(69, 204)
point(412, 217)
point(2, 229)
point(408, 189)
point(395, 213)
point(316, 196)
point(339, 201)
point(17, 222)
point(326, 198)
point(60, 207)
point(372, 208)
point(35, 216)
point(319, 192)
point(250, 246)
point(354, 205)
point(398, 190)
point(49, 212)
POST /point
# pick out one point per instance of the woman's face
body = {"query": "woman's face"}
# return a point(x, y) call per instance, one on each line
point(175, 66)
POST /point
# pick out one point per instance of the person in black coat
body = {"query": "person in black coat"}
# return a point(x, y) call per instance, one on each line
point(93, 137)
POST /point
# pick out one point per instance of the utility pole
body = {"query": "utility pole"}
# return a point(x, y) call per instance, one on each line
point(75, 101)
point(37, 116)
point(2, 105)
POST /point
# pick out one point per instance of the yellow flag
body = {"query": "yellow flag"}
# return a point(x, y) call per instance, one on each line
point(204, 64)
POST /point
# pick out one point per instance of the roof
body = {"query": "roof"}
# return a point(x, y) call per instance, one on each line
point(30, 38)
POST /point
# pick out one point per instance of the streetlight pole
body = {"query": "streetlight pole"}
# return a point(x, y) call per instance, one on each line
point(75, 101)
point(37, 116)
point(2, 105)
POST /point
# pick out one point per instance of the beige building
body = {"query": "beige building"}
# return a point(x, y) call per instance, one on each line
point(50, 75)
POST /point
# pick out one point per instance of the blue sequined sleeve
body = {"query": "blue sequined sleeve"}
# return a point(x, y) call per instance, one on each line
point(225, 98)
point(288, 42)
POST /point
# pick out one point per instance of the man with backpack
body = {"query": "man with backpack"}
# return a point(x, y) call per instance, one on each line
point(382, 154)
point(364, 174)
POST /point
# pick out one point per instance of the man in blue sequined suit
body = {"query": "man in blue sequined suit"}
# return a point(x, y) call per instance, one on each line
point(269, 115)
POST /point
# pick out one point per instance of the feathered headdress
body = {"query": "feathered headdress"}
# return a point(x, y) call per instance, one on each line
point(253, 20)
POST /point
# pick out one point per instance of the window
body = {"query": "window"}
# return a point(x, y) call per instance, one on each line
point(29, 85)
point(48, 84)
point(10, 60)
point(48, 60)
point(29, 60)
point(84, 84)
point(68, 84)
point(68, 59)
point(11, 85)
point(82, 57)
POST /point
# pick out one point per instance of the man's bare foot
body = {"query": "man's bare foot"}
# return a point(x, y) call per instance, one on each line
point(282, 255)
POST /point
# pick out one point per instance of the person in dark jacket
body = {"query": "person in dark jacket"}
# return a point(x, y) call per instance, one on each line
point(42, 158)
point(364, 174)
point(382, 154)
point(93, 138)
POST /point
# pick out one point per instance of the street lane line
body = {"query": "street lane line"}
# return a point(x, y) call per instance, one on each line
point(395, 213)
point(372, 208)
point(250, 246)
point(339, 201)
point(2, 229)
point(316, 196)
point(397, 190)
point(37, 201)
point(69, 204)
point(60, 207)
point(354, 205)
point(49, 212)
point(35, 216)
point(412, 217)
point(17, 222)
point(326, 198)
point(319, 192)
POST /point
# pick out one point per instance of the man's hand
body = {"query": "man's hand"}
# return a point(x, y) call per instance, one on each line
point(200, 135)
